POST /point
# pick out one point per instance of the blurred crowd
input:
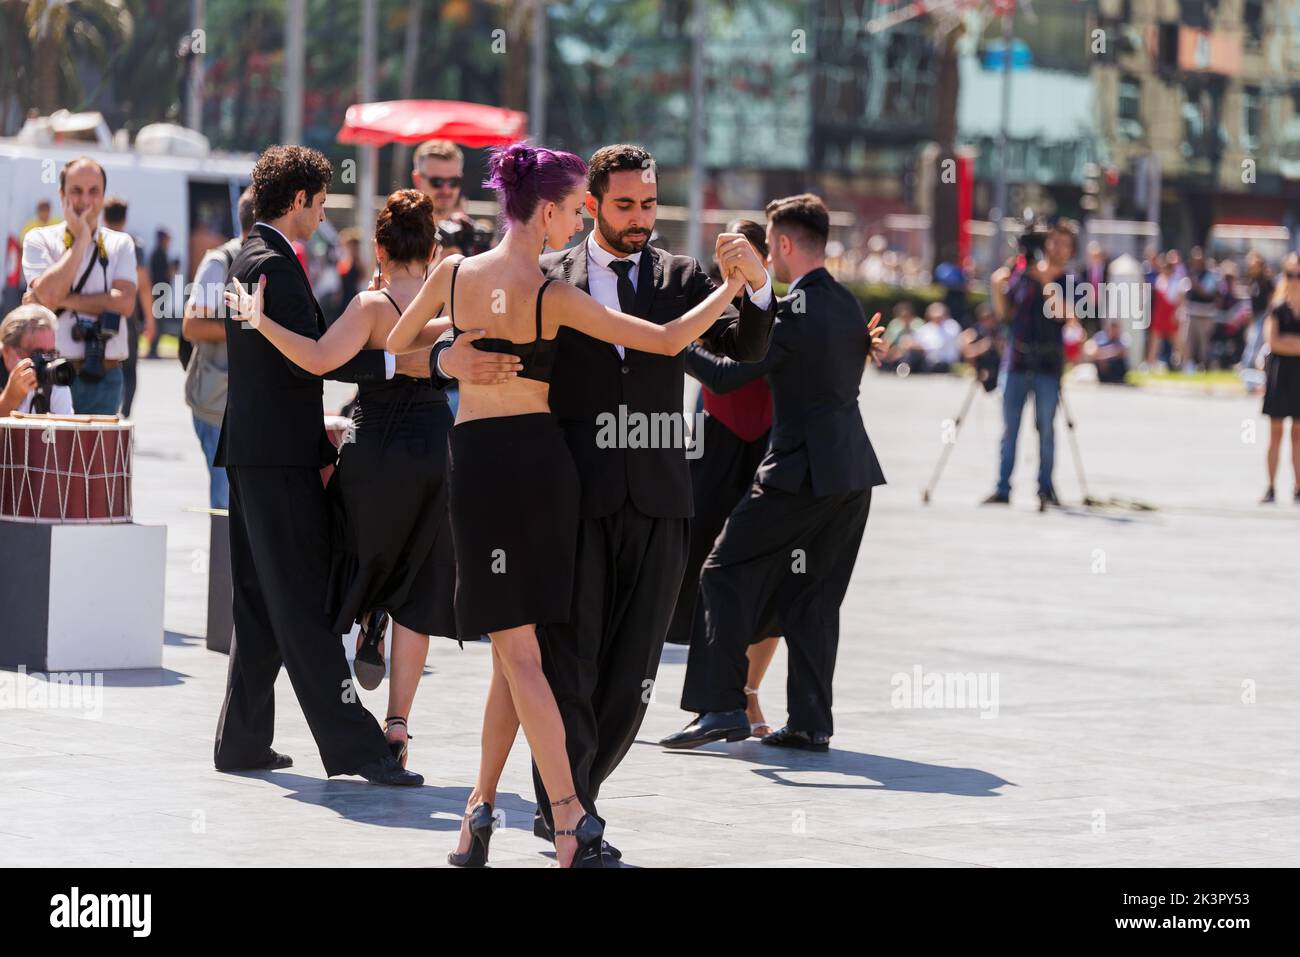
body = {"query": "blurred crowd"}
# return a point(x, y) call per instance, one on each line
point(1201, 315)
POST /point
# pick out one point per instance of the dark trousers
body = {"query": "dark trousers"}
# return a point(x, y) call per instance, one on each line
point(132, 329)
point(720, 477)
point(602, 663)
point(783, 556)
point(279, 563)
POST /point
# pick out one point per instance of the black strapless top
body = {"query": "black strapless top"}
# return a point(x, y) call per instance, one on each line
point(538, 356)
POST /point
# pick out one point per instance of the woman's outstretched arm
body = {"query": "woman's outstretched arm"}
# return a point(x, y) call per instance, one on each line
point(341, 341)
point(418, 329)
point(578, 310)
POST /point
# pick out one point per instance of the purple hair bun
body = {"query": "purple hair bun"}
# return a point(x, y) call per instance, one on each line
point(524, 176)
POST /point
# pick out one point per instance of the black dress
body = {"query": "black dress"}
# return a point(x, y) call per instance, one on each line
point(514, 505)
point(1282, 373)
point(390, 486)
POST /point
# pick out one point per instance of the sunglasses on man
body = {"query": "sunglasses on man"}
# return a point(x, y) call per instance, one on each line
point(438, 182)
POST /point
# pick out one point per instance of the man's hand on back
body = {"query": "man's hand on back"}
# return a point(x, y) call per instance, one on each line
point(466, 364)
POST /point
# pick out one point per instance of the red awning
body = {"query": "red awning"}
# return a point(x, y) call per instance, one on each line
point(414, 121)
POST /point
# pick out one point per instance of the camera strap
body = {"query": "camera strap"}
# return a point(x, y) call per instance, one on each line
point(90, 267)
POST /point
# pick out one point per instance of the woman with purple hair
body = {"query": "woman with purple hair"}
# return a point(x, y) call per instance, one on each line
point(514, 488)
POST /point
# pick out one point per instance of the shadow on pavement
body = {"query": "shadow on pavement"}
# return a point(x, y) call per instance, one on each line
point(879, 772)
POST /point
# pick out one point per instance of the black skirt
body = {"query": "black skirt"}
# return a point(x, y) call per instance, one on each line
point(514, 522)
point(1282, 387)
point(395, 549)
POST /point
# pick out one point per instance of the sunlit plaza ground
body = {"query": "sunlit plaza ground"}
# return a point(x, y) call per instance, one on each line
point(1134, 670)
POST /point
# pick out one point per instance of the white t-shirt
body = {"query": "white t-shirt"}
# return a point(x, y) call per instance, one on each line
point(60, 401)
point(44, 246)
point(209, 283)
point(939, 341)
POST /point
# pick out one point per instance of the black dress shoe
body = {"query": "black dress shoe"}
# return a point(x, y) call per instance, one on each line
point(275, 761)
point(388, 771)
point(543, 830)
point(788, 737)
point(710, 726)
point(997, 499)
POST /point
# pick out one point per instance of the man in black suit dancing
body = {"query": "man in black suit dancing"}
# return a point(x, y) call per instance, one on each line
point(636, 501)
point(273, 445)
point(787, 550)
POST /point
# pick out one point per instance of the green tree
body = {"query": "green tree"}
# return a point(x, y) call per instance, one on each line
point(63, 33)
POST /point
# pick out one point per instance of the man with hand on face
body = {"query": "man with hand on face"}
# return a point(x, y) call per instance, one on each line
point(273, 445)
point(636, 501)
point(86, 274)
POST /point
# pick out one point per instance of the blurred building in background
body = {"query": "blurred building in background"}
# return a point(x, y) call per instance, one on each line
point(1185, 113)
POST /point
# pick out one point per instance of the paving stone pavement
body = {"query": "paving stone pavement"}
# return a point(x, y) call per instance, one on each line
point(1138, 674)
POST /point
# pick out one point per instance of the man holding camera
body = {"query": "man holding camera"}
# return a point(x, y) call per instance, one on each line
point(1031, 299)
point(438, 173)
point(29, 380)
point(86, 274)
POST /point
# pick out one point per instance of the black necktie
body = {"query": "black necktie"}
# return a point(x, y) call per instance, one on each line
point(626, 291)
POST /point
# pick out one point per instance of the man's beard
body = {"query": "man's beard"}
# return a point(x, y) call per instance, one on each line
point(621, 242)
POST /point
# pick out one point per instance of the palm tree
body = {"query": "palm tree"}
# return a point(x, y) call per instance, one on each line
point(61, 32)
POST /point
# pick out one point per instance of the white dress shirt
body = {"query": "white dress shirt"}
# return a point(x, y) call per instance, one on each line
point(602, 281)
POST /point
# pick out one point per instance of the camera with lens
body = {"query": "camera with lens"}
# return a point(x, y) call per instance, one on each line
point(51, 370)
point(1033, 238)
point(463, 235)
point(94, 333)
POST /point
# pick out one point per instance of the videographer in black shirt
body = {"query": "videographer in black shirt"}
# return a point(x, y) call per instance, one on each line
point(1031, 297)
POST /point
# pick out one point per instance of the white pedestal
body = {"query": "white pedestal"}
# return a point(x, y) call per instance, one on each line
point(82, 597)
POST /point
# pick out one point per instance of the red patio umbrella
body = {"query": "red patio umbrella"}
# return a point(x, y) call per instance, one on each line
point(414, 121)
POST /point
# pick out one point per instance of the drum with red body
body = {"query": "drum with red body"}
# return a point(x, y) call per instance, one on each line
point(73, 469)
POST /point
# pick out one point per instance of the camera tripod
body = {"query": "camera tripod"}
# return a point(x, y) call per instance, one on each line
point(976, 384)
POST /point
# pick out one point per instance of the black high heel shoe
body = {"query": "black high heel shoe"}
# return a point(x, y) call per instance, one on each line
point(369, 663)
point(589, 833)
point(480, 834)
point(399, 748)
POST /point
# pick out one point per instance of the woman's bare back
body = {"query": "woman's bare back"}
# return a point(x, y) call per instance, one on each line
point(383, 315)
point(500, 298)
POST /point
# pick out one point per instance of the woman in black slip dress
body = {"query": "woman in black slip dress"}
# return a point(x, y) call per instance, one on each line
point(514, 487)
point(395, 557)
point(1282, 372)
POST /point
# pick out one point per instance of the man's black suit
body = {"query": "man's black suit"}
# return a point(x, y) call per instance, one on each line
point(788, 548)
point(273, 445)
point(636, 506)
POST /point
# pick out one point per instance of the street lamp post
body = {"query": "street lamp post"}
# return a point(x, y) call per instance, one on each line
point(291, 112)
point(368, 170)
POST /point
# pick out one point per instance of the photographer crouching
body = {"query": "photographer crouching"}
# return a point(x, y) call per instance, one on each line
point(1031, 298)
point(86, 274)
point(32, 376)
